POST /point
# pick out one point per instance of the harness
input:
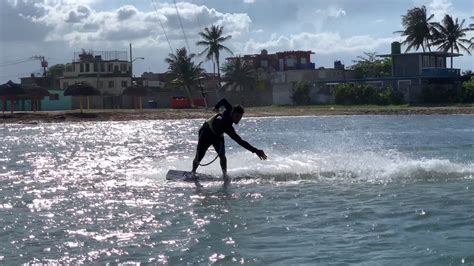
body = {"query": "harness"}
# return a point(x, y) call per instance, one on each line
point(210, 124)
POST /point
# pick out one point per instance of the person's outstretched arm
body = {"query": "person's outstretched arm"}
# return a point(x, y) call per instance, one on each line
point(231, 132)
point(223, 102)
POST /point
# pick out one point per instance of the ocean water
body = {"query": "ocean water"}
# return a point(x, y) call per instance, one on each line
point(368, 190)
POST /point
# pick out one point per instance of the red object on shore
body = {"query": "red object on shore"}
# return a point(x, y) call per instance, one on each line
point(181, 102)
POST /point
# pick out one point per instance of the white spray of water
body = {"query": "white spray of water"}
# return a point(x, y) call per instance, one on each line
point(370, 166)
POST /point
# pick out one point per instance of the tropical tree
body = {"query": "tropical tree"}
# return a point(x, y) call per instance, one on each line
point(371, 66)
point(212, 38)
point(183, 71)
point(450, 36)
point(417, 29)
point(56, 71)
point(239, 73)
point(471, 26)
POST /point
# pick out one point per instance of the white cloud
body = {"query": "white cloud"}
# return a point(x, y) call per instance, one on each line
point(331, 12)
point(83, 25)
point(249, 1)
point(320, 43)
point(440, 8)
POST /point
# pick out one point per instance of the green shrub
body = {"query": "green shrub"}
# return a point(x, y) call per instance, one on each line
point(390, 96)
point(364, 94)
point(438, 94)
point(301, 93)
point(467, 91)
point(355, 94)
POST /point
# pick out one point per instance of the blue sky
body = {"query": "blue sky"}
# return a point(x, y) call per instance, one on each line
point(333, 29)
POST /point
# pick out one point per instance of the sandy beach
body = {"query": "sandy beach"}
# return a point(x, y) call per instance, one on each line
point(160, 114)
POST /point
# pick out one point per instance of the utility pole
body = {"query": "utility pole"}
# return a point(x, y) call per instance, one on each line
point(44, 63)
point(131, 62)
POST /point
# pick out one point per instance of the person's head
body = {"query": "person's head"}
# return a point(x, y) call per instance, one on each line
point(237, 113)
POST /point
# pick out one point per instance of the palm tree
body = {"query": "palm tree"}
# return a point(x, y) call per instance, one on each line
point(471, 26)
point(450, 36)
point(212, 38)
point(183, 71)
point(239, 73)
point(417, 29)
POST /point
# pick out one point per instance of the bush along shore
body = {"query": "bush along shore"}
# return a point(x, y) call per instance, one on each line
point(201, 113)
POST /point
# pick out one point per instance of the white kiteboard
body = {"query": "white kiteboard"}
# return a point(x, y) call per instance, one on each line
point(186, 176)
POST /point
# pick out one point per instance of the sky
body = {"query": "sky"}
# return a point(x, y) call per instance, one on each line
point(332, 29)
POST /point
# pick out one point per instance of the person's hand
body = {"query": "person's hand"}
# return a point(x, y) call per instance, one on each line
point(261, 154)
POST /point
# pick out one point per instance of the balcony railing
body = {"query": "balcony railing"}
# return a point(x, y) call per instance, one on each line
point(441, 72)
point(302, 66)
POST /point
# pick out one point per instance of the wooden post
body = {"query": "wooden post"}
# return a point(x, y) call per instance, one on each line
point(140, 102)
point(88, 104)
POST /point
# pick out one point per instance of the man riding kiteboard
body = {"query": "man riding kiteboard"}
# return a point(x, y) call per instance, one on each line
point(212, 133)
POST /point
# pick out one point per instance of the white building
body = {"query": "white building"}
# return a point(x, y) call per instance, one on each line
point(111, 77)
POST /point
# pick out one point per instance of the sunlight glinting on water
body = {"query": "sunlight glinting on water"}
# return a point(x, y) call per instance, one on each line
point(88, 192)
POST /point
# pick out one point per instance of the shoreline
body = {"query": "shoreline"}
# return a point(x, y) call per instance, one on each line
point(265, 111)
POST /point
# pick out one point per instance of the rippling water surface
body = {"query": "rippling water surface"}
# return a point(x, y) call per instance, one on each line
point(346, 189)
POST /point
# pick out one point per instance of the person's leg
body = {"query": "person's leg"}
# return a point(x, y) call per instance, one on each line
point(202, 146)
point(200, 152)
point(220, 149)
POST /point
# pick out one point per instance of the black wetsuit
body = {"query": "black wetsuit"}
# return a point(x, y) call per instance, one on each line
point(212, 132)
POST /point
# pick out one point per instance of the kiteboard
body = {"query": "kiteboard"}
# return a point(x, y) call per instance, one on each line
point(187, 176)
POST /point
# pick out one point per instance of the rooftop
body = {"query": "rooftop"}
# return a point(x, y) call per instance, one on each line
point(422, 53)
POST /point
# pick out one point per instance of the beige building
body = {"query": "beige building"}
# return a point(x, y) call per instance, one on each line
point(109, 72)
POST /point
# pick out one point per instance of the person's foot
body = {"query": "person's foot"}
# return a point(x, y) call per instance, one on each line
point(196, 182)
point(195, 178)
point(226, 180)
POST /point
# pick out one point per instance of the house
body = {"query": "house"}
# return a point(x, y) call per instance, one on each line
point(321, 79)
point(410, 73)
point(56, 99)
point(108, 71)
point(280, 61)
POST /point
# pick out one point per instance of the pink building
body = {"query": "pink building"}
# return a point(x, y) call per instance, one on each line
point(281, 61)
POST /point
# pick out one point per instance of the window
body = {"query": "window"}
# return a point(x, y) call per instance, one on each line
point(65, 85)
point(426, 61)
point(123, 67)
point(102, 67)
point(124, 84)
point(111, 83)
point(303, 61)
point(87, 67)
point(432, 61)
point(54, 97)
point(264, 63)
point(96, 67)
point(82, 68)
point(110, 67)
point(290, 62)
point(116, 68)
point(441, 62)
